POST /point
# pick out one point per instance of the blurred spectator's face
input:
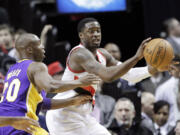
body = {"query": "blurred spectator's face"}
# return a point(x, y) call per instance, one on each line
point(114, 51)
point(149, 106)
point(177, 129)
point(175, 28)
point(124, 113)
point(161, 117)
point(6, 38)
point(174, 70)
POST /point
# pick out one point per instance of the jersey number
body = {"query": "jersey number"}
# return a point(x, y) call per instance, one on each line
point(13, 89)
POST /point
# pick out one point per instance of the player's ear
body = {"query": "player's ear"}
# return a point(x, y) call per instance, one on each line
point(29, 49)
point(80, 35)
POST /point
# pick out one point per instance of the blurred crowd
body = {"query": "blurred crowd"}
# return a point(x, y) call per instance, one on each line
point(151, 107)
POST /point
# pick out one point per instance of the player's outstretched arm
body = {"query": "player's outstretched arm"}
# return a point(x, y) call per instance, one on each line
point(84, 58)
point(38, 75)
point(77, 100)
point(20, 123)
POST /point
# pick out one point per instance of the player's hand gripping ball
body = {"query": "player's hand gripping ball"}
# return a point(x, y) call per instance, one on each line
point(159, 54)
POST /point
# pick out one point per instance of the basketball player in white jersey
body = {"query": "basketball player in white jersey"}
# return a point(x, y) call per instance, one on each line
point(84, 58)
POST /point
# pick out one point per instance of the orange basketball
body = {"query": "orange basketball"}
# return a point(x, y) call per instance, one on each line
point(159, 53)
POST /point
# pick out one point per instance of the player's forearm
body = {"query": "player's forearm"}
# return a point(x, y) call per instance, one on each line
point(6, 121)
point(61, 86)
point(61, 103)
point(115, 72)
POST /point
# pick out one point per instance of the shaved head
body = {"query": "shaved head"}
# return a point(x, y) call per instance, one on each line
point(25, 40)
point(29, 47)
point(147, 101)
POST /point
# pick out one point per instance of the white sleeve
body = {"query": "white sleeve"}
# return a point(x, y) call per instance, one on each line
point(135, 75)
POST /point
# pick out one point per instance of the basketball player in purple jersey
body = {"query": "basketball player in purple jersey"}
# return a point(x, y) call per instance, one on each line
point(24, 83)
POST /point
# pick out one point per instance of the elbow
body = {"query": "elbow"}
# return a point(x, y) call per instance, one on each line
point(51, 88)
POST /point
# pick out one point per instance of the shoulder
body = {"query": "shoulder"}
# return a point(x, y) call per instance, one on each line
point(103, 52)
point(36, 67)
point(81, 54)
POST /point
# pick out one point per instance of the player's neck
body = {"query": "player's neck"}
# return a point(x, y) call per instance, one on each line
point(25, 57)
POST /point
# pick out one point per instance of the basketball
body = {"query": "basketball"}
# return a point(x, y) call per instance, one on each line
point(159, 53)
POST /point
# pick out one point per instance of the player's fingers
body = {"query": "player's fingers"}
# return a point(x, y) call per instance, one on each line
point(33, 122)
point(175, 62)
point(146, 40)
point(92, 76)
point(87, 97)
point(29, 130)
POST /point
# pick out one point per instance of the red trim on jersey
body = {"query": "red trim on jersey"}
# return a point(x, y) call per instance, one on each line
point(101, 54)
point(67, 63)
point(98, 58)
point(87, 88)
point(93, 102)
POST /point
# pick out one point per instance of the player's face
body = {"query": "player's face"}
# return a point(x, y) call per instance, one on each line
point(92, 34)
point(38, 51)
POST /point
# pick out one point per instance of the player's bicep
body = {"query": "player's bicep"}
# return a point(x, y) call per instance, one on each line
point(92, 66)
point(110, 60)
point(88, 62)
point(39, 75)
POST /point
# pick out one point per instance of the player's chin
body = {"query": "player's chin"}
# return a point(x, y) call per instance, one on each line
point(40, 59)
point(96, 45)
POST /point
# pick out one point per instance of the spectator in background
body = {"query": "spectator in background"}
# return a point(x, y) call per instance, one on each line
point(6, 43)
point(161, 114)
point(56, 70)
point(151, 84)
point(176, 129)
point(1, 83)
point(172, 28)
point(6, 38)
point(103, 109)
point(116, 87)
point(114, 50)
point(147, 106)
point(124, 113)
point(13, 53)
point(170, 92)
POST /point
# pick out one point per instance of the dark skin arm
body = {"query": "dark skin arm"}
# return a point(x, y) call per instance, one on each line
point(20, 123)
point(86, 60)
point(77, 100)
point(38, 75)
point(111, 61)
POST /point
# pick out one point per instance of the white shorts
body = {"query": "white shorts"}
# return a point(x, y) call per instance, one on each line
point(68, 122)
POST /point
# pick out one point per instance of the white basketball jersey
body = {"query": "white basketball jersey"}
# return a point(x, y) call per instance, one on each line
point(70, 74)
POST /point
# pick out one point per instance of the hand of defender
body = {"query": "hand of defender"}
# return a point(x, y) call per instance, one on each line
point(81, 99)
point(25, 124)
point(139, 53)
point(89, 79)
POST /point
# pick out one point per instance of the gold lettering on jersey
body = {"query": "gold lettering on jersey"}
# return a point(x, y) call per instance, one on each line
point(13, 73)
